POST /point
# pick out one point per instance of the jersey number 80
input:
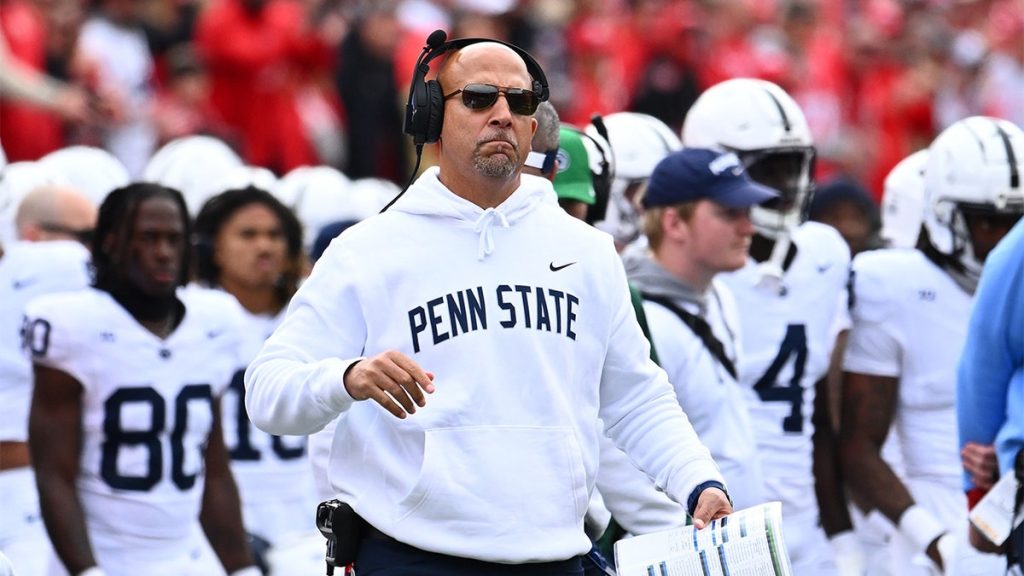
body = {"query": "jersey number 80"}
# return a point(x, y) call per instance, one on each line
point(117, 437)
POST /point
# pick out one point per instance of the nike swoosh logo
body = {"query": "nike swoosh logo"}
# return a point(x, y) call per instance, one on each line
point(823, 267)
point(557, 268)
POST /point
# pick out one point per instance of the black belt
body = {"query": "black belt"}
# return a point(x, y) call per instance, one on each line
point(375, 534)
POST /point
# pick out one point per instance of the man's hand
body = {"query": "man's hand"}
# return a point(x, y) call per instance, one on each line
point(711, 504)
point(392, 380)
point(979, 460)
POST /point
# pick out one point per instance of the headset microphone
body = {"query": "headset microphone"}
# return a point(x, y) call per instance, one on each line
point(436, 38)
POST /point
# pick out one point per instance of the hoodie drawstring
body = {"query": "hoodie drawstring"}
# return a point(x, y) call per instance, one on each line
point(483, 227)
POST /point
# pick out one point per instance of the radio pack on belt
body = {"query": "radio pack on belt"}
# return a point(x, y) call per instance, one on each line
point(344, 531)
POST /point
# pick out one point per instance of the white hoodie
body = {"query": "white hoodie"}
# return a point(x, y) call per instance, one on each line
point(519, 311)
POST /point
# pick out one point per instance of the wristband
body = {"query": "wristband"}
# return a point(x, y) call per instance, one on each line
point(247, 571)
point(920, 527)
point(691, 502)
point(947, 549)
point(92, 571)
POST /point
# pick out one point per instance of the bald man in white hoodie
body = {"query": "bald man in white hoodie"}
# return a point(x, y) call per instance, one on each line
point(473, 334)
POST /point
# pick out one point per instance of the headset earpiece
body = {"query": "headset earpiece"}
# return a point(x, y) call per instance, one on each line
point(435, 111)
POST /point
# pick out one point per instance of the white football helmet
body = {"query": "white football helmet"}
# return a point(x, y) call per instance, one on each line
point(765, 127)
point(245, 176)
point(903, 201)
point(638, 142)
point(975, 166)
point(319, 195)
point(370, 195)
point(193, 165)
point(92, 171)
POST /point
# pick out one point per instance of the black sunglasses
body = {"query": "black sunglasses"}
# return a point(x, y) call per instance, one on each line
point(482, 96)
point(83, 236)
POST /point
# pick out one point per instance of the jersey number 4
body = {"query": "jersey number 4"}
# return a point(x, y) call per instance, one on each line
point(794, 345)
point(117, 437)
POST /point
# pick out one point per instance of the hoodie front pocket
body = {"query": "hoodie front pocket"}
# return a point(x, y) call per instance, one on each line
point(507, 478)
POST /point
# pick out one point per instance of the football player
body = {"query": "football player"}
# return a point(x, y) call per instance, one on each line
point(909, 324)
point(638, 142)
point(250, 246)
point(124, 427)
point(790, 295)
point(51, 223)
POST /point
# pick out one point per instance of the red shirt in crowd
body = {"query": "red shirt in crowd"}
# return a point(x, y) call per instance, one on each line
point(27, 131)
point(257, 61)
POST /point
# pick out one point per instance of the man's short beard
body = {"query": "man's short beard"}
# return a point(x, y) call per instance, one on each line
point(494, 166)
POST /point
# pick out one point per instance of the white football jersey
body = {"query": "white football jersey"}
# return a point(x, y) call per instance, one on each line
point(910, 322)
point(27, 270)
point(788, 337)
point(147, 404)
point(708, 394)
point(268, 469)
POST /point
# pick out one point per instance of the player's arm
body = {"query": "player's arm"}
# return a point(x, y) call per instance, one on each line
point(55, 440)
point(868, 406)
point(828, 479)
point(221, 515)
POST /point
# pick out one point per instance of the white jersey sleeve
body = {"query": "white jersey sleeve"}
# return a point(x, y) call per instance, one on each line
point(873, 346)
point(53, 337)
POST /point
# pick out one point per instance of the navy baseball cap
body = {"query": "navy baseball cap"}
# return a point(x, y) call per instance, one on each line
point(694, 174)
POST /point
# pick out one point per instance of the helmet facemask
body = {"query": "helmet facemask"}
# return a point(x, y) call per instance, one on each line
point(977, 228)
point(788, 171)
point(966, 232)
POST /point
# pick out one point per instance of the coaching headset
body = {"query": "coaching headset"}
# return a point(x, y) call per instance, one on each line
point(424, 113)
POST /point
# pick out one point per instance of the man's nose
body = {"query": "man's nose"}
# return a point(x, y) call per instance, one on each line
point(500, 112)
point(746, 225)
point(166, 249)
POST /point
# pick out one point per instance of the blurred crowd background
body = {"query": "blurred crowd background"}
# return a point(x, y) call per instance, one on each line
point(289, 83)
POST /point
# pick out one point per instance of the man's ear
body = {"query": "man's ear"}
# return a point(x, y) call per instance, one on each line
point(673, 225)
point(30, 232)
